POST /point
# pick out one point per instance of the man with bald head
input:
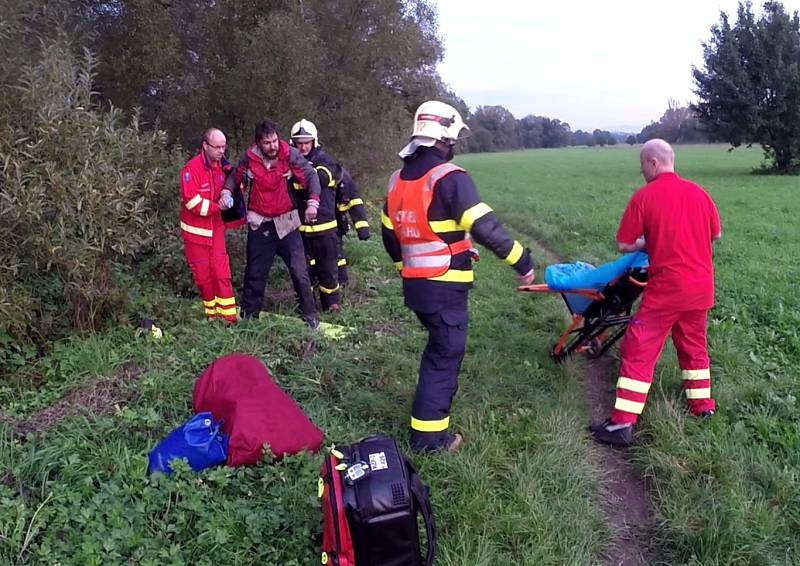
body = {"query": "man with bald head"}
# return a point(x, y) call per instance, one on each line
point(676, 222)
point(203, 198)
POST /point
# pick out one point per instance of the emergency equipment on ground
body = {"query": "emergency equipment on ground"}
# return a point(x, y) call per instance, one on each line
point(239, 390)
point(199, 440)
point(371, 495)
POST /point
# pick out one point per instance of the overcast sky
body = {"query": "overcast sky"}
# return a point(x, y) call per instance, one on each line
point(609, 64)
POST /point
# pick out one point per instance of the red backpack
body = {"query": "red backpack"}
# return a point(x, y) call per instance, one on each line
point(337, 545)
point(371, 497)
point(239, 390)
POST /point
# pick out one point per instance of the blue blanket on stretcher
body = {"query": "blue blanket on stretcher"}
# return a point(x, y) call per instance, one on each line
point(568, 277)
point(580, 275)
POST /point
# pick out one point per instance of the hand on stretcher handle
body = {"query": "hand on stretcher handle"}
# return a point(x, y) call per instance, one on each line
point(526, 279)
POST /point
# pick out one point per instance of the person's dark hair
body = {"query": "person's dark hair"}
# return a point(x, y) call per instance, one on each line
point(264, 129)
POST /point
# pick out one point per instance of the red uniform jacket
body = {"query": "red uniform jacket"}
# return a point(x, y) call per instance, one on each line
point(269, 190)
point(201, 186)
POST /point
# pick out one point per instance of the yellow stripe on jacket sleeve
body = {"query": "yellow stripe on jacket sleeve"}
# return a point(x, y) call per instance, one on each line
point(474, 213)
point(194, 201)
point(386, 221)
point(442, 226)
point(350, 204)
point(515, 253)
point(331, 180)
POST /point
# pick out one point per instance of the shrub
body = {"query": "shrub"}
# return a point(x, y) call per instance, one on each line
point(80, 197)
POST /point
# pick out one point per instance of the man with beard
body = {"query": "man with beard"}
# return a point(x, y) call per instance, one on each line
point(431, 210)
point(273, 218)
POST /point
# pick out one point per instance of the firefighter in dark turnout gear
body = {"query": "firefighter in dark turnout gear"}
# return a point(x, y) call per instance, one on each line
point(319, 234)
point(349, 201)
point(431, 210)
point(273, 218)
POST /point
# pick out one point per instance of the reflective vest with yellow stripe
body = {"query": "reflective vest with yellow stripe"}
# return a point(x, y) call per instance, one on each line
point(425, 254)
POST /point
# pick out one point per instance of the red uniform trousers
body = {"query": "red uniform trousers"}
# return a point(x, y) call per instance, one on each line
point(642, 346)
point(211, 268)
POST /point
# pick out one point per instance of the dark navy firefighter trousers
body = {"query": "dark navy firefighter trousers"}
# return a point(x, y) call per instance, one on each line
point(438, 375)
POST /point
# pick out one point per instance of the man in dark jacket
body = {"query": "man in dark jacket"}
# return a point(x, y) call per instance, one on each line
point(349, 202)
point(319, 234)
point(273, 218)
point(432, 209)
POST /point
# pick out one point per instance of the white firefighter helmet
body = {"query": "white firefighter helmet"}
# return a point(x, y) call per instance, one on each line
point(439, 121)
point(304, 131)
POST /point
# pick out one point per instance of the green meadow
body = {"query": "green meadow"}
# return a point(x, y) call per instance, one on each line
point(528, 487)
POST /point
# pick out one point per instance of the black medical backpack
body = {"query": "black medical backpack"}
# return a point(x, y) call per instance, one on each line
point(371, 497)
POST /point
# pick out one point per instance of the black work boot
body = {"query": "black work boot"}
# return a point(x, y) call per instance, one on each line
point(450, 443)
point(312, 321)
point(614, 434)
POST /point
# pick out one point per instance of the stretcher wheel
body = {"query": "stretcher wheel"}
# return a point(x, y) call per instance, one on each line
point(560, 356)
point(594, 349)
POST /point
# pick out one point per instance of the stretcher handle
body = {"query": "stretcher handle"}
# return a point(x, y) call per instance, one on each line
point(631, 279)
point(544, 288)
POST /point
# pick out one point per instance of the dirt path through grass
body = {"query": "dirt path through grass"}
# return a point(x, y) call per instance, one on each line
point(627, 505)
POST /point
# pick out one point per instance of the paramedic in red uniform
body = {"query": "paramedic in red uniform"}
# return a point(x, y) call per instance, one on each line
point(203, 198)
point(675, 221)
point(432, 209)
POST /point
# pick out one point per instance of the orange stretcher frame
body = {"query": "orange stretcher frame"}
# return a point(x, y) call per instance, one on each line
point(594, 337)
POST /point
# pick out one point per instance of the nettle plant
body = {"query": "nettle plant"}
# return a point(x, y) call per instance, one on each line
point(81, 188)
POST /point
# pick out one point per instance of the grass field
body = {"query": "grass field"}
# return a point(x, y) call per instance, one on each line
point(527, 487)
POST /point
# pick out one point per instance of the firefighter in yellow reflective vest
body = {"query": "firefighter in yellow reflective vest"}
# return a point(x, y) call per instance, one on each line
point(431, 209)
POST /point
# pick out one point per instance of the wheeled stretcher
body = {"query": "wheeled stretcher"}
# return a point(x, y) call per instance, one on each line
point(600, 301)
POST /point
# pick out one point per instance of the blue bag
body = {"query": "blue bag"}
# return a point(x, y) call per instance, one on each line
point(199, 440)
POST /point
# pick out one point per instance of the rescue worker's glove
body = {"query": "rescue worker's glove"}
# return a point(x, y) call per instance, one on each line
point(363, 234)
point(526, 279)
point(312, 206)
point(225, 200)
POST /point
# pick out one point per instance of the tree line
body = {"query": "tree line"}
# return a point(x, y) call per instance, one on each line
point(748, 93)
point(101, 103)
point(494, 128)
